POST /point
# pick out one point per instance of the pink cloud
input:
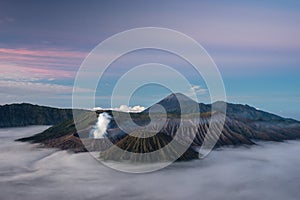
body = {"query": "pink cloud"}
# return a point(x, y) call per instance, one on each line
point(28, 64)
point(44, 53)
point(15, 72)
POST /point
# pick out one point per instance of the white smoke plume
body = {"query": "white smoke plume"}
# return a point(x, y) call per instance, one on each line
point(99, 130)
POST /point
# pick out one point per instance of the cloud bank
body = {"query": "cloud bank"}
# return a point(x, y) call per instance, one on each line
point(124, 108)
point(267, 171)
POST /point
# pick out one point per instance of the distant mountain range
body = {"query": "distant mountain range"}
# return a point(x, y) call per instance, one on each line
point(243, 126)
point(25, 114)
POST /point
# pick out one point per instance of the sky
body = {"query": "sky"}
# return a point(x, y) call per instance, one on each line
point(255, 45)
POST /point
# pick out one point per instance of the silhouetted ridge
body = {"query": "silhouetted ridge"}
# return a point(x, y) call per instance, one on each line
point(25, 114)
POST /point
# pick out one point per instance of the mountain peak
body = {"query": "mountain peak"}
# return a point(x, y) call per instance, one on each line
point(177, 102)
point(177, 97)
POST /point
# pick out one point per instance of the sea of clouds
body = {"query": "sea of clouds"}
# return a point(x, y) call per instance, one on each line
point(266, 171)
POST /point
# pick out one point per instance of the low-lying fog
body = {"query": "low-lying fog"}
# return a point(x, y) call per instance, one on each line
point(267, 171)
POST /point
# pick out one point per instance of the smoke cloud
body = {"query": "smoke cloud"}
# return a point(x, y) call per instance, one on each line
point(267, 171)
point(126, 108)
point(99, 130)
point(123, 108)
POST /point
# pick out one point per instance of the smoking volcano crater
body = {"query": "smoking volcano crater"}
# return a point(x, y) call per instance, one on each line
point(98, 131)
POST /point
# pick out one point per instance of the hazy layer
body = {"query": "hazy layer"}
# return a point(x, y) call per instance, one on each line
point(268, 171)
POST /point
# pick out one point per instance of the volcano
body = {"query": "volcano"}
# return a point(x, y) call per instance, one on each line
point(243, 126)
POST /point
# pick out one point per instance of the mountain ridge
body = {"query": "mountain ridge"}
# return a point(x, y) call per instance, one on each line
point(26, 114)
point(243, 125)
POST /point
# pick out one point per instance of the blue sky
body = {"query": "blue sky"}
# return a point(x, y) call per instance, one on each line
point(255, 45)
